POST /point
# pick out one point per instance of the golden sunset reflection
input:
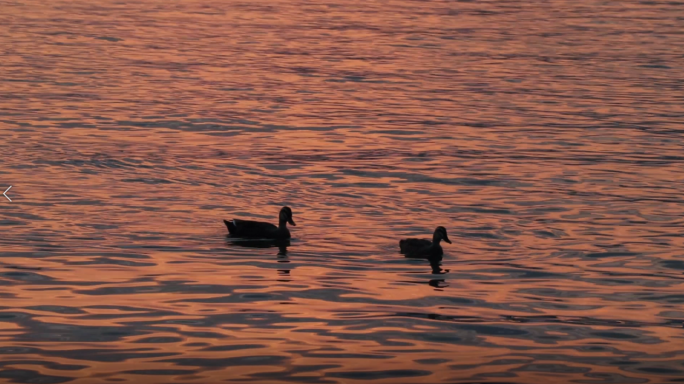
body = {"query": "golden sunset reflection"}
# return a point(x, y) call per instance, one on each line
point(546, 139)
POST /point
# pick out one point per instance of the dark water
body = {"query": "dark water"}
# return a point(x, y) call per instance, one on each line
point(547, 137)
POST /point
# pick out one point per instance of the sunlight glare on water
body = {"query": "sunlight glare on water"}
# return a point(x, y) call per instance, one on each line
point(547, 137)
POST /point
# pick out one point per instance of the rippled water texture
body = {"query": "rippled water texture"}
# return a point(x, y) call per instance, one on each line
point(547, 137)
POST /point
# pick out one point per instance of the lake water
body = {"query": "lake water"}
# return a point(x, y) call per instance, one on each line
point(547, 137)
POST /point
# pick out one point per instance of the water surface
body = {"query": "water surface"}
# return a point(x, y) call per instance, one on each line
point(545, 136)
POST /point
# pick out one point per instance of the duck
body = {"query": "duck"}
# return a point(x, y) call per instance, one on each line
point(261, 230)
point(423, 248)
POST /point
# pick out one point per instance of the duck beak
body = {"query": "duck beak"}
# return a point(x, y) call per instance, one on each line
point(446, 238)
point(289, 220)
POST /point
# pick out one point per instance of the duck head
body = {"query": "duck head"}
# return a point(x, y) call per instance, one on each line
point(286, 216)
point(440, 234)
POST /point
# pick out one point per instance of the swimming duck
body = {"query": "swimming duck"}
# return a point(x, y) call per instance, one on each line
point(261, 230)
point(424, 248)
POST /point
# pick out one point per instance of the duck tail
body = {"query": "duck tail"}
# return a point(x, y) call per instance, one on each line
point(402, 243)
point(230, 225)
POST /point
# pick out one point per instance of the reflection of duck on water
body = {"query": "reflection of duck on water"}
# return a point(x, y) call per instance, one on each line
point(436, 265)
point(282, 258)
point(282, 251)
point(281, 244)
point(438, 283)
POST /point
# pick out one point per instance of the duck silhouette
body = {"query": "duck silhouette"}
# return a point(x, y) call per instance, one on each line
point(423, 248)
point(249, 229)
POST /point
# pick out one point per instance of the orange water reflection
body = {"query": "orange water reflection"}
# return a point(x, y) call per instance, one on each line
point(547, 139)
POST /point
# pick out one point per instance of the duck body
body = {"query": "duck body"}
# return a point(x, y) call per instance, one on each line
point(423, 248)
point(256, 229)
point(250, 229)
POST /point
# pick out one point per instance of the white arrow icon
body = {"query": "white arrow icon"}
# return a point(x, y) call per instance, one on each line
point(5, 193)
